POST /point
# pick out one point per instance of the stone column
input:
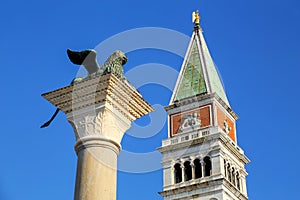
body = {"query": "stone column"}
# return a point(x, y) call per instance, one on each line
point(193, 170)
point(172, 175)
point(225, 169)
point(243, 185)
point(99, 132)
point(234, 177)
point(182, 171)
point(100, 110)
point(202, 167)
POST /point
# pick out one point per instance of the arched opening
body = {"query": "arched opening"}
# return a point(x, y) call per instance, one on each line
point(225, 170)
point(198, 169)
point(233, 176)
point(177, 173)
point(228, 173)
point(187, 171)
point(207, 167)
point(238, 181)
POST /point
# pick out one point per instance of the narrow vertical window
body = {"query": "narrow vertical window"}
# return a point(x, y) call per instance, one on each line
point(207, 169)
point(233, 176)
point(225, 169)
point(177, 173)
point(198, 169)
point(228, 173)
point(238, 181)
point(187, 171)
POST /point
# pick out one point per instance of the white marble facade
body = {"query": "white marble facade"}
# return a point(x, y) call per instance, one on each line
point(221, 151)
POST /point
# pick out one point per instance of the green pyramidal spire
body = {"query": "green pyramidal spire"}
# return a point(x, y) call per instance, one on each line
point(198, 73)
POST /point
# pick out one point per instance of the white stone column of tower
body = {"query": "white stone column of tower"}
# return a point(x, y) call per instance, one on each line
point(100, 110)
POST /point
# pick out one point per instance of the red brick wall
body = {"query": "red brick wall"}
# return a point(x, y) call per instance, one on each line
point(221, 117)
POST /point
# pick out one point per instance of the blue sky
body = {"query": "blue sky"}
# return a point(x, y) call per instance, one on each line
point(255, 45)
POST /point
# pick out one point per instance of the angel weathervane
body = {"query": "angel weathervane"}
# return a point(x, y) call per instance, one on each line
point(196, 17)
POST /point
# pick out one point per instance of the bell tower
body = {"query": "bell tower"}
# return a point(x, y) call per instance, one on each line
point(201, 157)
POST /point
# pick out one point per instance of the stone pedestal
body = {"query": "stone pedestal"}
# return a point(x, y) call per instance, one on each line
point(100, 110)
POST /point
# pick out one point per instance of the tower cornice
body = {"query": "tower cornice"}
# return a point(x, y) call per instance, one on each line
point(214, 134)
point(199, 100)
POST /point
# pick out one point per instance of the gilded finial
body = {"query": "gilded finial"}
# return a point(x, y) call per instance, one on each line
point(196, 18)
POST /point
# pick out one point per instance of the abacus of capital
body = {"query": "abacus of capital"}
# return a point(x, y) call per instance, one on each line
point(100, 110)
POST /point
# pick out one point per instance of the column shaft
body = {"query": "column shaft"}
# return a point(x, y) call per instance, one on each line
point(172, 175)
point(193, 170)
point(203, 168)
point(96, 170)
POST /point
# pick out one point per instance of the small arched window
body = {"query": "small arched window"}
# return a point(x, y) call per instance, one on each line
point(233, 176)
point(238, 181)
point(187, 171)
point(228, 173)
point(207, 167)
point(198, 169)
point(225, 169)
point(177, 173)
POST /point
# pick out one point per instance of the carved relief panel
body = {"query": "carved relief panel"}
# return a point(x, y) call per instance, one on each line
point(195, 119)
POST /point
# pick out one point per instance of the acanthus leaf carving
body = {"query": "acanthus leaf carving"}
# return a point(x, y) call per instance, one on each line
point(90, 124)
point(104, 122)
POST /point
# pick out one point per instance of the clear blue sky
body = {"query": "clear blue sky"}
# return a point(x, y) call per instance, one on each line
point(255, 45)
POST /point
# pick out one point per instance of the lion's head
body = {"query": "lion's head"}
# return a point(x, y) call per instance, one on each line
point(117, 57)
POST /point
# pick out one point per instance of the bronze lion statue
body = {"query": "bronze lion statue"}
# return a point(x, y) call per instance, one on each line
point(87, 58)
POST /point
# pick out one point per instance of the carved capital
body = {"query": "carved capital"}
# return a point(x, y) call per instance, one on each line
point(192, 158)
point(202, 162)
point(85, 125)
point(102, 122)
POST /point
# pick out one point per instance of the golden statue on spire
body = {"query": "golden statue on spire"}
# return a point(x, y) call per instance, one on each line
point(196, 18)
